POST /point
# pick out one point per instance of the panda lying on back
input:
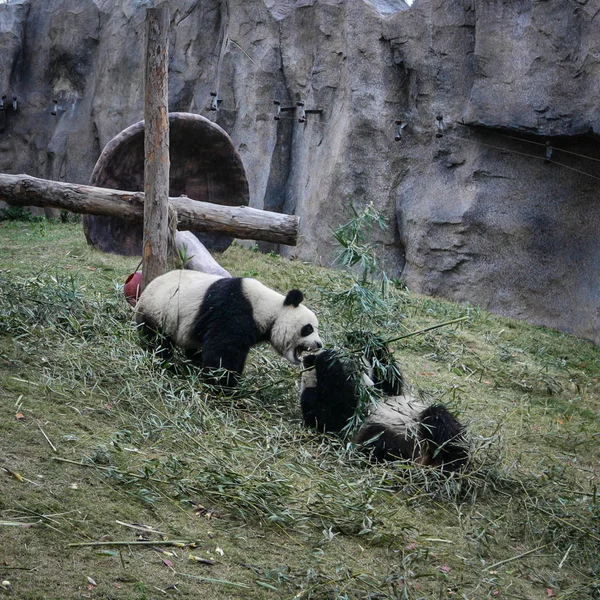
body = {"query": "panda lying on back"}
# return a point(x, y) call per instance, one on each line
point(216, 320)
point(397, 427)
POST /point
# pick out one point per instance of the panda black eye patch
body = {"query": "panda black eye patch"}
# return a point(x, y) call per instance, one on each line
point(306, 330)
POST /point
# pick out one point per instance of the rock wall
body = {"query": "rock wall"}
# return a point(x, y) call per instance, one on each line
point(476, 215)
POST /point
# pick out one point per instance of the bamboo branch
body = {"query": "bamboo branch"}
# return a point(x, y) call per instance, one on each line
point(47, 438)
point(136, 543)
point(513, 558)
point(141, 528)
point(109, 469)
point(407, 335)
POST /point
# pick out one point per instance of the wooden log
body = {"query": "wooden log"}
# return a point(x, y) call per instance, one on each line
point(156, 145)
point(238, 221)
point(198, 258)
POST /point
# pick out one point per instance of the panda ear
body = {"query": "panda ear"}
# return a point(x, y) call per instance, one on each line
point(293, 297)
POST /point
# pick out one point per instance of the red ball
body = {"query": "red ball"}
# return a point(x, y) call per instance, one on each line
point(133, 287)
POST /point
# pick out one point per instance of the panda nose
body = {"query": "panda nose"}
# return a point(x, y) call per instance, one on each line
point(318, 344)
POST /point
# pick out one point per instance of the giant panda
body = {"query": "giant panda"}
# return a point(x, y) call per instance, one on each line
point(217, 319)
point(395, 427)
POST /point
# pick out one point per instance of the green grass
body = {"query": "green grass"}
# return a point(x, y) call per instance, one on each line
point(93, 431)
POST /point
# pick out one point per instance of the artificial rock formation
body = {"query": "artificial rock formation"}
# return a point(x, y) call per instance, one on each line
point(477, 214)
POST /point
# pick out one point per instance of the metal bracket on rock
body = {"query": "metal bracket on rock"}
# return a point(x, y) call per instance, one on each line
point(5, 106)
point(56, 108)
point(440, 126)
point(400, 125)
point(306, 111)
point(302, 112)
point(279, 109)
point(214, 103)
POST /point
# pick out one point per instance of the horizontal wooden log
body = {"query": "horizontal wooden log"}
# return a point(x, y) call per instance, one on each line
point(237, 221)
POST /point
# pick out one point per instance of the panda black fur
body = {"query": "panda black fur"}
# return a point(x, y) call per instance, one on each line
point(328, 391)
point(217, 319)
point(397, 427)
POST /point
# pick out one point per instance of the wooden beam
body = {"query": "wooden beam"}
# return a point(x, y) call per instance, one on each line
point(156, 145)
point(238, 221)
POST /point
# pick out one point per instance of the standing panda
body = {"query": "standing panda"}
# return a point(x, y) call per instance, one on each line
point(217, 319)
point(396, 427)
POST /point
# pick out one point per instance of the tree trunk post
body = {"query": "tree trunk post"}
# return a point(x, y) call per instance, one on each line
point(156, 145)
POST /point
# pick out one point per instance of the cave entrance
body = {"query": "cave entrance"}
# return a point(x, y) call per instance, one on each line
point(205, 166)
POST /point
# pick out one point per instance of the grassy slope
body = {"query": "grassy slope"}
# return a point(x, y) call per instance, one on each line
point(282, 512)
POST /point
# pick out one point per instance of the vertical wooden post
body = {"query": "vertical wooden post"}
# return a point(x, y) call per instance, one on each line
point(156, 145)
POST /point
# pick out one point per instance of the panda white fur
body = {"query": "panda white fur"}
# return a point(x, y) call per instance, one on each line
point(396, 427)
point(217, 319)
